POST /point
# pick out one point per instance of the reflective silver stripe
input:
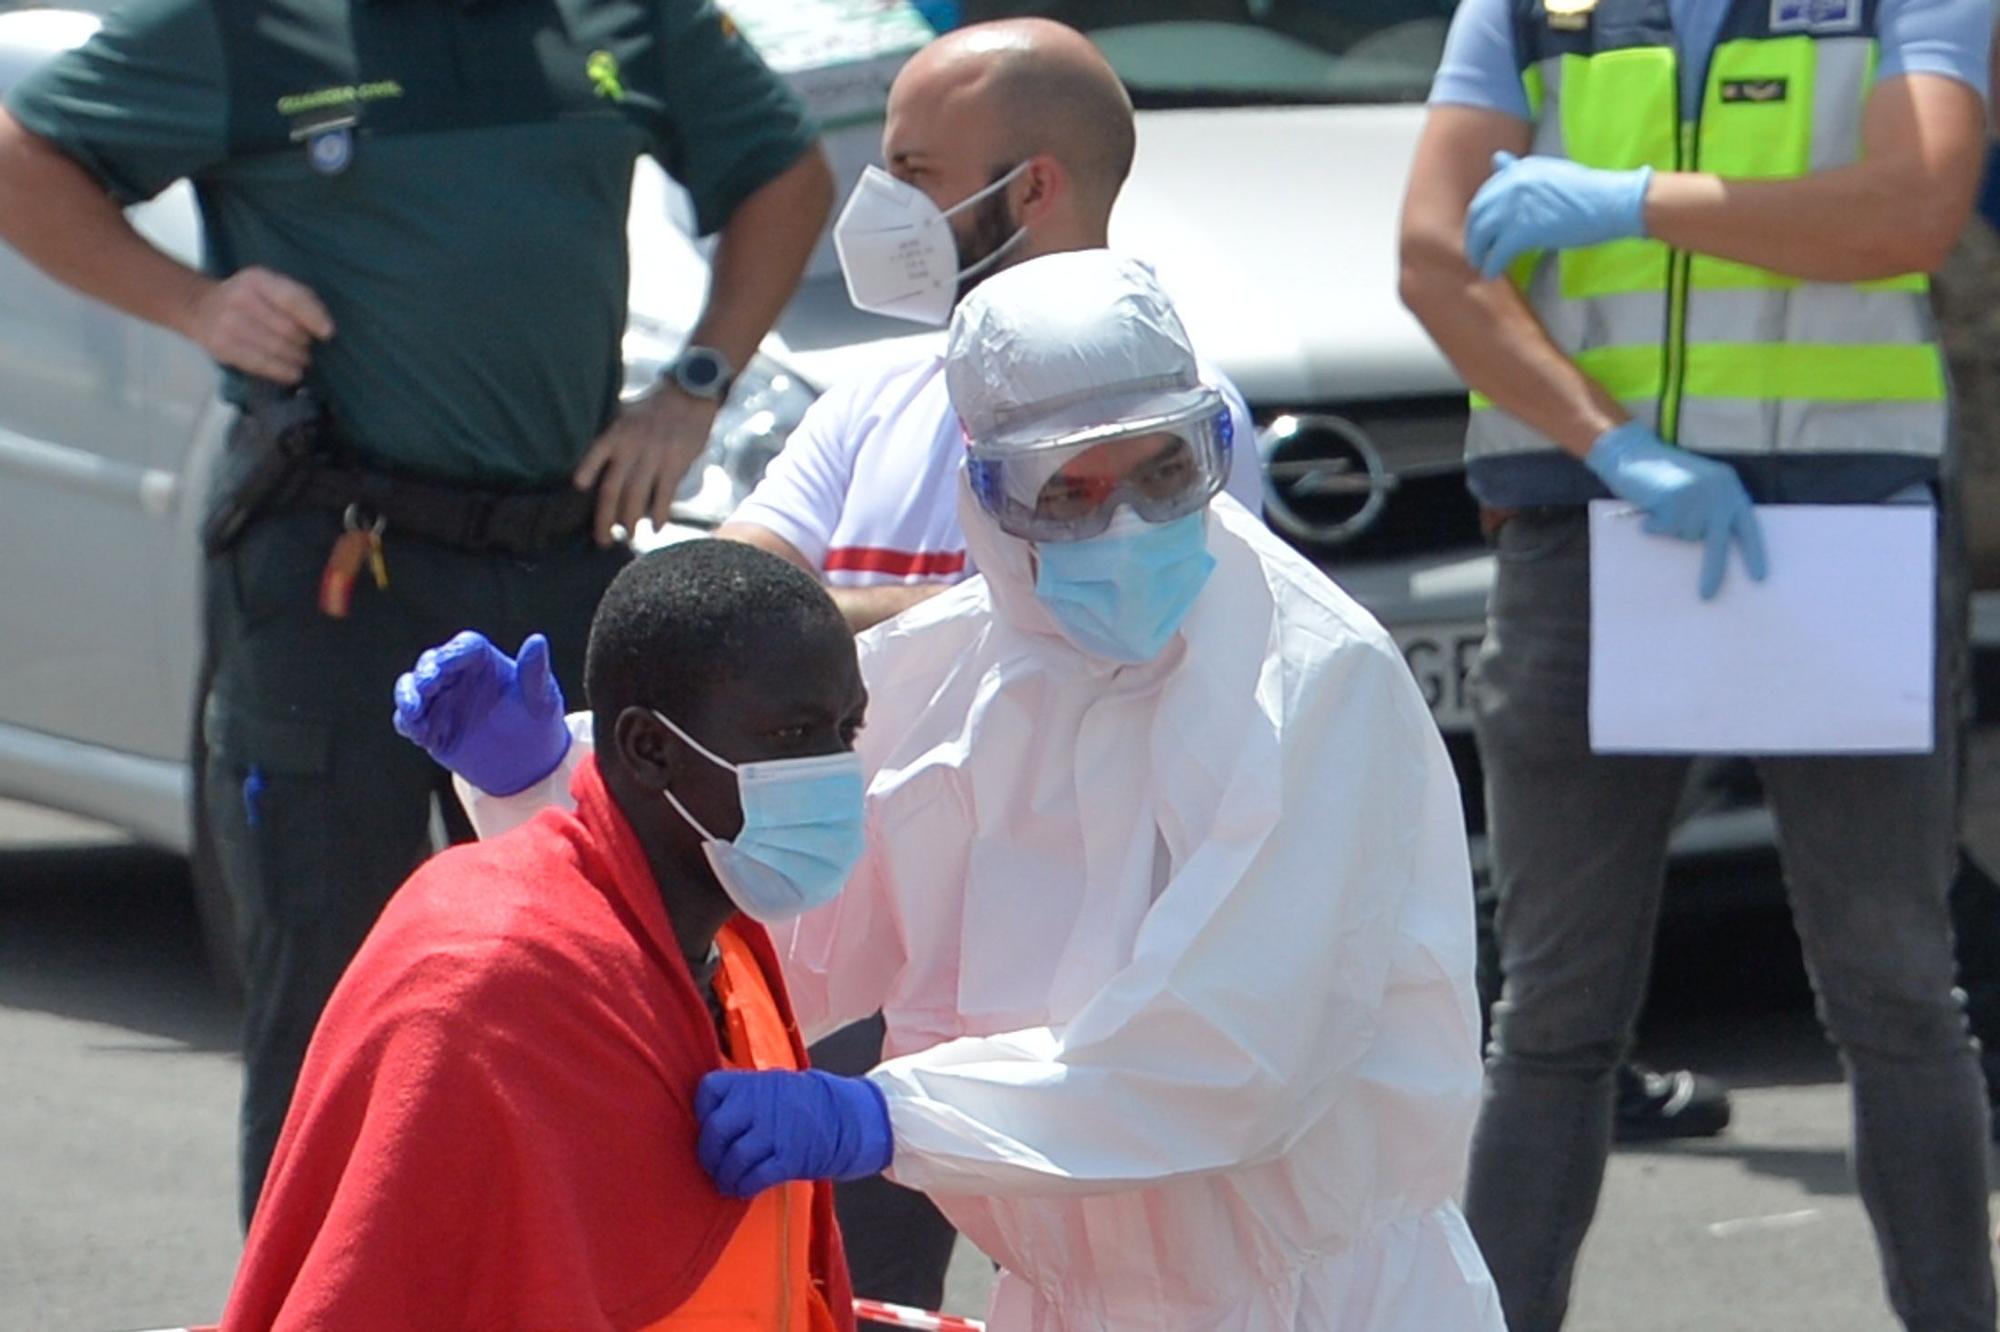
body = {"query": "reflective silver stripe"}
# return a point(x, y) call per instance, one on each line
point(1492, 433)
point(1840, 96)
point(1751, 427)
point(1814, 312)
point(1631, 319)
point(1801, 428)
point(1549, 141)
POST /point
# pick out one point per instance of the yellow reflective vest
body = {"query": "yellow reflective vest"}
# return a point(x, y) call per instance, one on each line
point(1818, 391)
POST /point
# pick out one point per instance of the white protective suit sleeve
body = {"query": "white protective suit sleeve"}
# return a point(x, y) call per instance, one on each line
point(493, 815)
point(1248, 1008)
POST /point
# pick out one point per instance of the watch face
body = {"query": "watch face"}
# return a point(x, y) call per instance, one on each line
point(703, 372)
point(699, 370)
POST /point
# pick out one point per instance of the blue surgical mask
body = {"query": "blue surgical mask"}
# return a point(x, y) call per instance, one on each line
point(1123, 595)
point(801, 835)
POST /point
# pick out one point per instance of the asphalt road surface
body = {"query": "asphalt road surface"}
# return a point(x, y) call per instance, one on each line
point(118, 1085)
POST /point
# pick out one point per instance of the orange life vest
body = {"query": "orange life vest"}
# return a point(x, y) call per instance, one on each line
point(763, 1280)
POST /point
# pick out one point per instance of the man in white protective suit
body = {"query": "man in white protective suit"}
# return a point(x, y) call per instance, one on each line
point(1165, 898)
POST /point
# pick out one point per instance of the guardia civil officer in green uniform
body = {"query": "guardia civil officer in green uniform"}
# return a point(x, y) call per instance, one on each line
point(415, 216)
point(1716, 215)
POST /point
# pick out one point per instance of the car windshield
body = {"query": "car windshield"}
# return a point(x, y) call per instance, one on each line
point(1182, 53)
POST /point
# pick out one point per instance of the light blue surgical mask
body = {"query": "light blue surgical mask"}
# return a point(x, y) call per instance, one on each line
point(801, 835)
point(1123, 595)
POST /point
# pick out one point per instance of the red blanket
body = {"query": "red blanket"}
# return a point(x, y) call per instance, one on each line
point(494, 1127)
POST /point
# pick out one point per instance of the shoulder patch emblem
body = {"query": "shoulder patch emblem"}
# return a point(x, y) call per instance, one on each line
point(602, 69)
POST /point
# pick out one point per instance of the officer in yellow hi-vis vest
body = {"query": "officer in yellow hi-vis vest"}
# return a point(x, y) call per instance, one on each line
point(1676, 247)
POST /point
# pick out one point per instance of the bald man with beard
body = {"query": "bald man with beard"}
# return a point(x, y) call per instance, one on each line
point(864, 493)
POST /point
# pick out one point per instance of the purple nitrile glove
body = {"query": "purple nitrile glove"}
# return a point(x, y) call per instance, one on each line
point(1550, 203)
point(1682, 495)
point(496, 722)
point(764, 1128)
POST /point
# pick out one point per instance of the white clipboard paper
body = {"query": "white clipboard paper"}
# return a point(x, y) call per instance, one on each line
point(1833, 653)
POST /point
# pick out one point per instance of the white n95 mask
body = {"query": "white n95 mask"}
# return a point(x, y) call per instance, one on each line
point(897, 250)
point(801, 835)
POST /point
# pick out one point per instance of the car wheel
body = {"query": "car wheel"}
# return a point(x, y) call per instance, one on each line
point(212, 903)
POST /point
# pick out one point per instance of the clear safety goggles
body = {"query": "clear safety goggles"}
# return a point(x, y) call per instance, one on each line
point(1068, 485)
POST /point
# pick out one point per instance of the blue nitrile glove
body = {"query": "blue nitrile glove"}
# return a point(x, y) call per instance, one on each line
point(1550, 203)
point(496, 722)
point(1682, 495)
point(760, 1129)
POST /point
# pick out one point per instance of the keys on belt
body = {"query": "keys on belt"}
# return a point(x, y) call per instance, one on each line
point(518, 525)
point(359, 542)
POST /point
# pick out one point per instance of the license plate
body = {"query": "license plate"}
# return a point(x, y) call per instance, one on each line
point(1440, 656)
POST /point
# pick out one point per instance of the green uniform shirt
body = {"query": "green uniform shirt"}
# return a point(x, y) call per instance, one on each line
point(467, 232)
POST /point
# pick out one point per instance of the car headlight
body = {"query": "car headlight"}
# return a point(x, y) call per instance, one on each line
point(765, 405)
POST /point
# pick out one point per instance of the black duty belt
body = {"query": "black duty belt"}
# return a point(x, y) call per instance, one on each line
point(521, 523)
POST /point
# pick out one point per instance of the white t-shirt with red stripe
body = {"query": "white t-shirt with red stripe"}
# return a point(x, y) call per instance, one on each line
point(866, 488)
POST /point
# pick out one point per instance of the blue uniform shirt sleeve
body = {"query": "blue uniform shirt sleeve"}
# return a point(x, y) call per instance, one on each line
point(1947, 37)
point(1480, 67)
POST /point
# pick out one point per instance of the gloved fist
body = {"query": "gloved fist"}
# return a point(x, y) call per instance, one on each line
point(1550, 203)
point(496, 722)
point(1682, 495)
point(760, 1129)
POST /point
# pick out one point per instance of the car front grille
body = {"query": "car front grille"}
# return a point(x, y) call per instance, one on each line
point(1370, 480)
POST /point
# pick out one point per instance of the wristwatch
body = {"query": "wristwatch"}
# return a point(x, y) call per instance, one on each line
point(702, 372)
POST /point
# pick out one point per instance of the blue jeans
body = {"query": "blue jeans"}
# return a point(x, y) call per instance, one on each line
point(1578, 843)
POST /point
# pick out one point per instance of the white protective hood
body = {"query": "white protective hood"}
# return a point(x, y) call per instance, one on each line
point(1176, 958)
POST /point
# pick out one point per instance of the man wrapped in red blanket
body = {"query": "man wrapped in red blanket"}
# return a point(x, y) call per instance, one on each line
point(496, 1127)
